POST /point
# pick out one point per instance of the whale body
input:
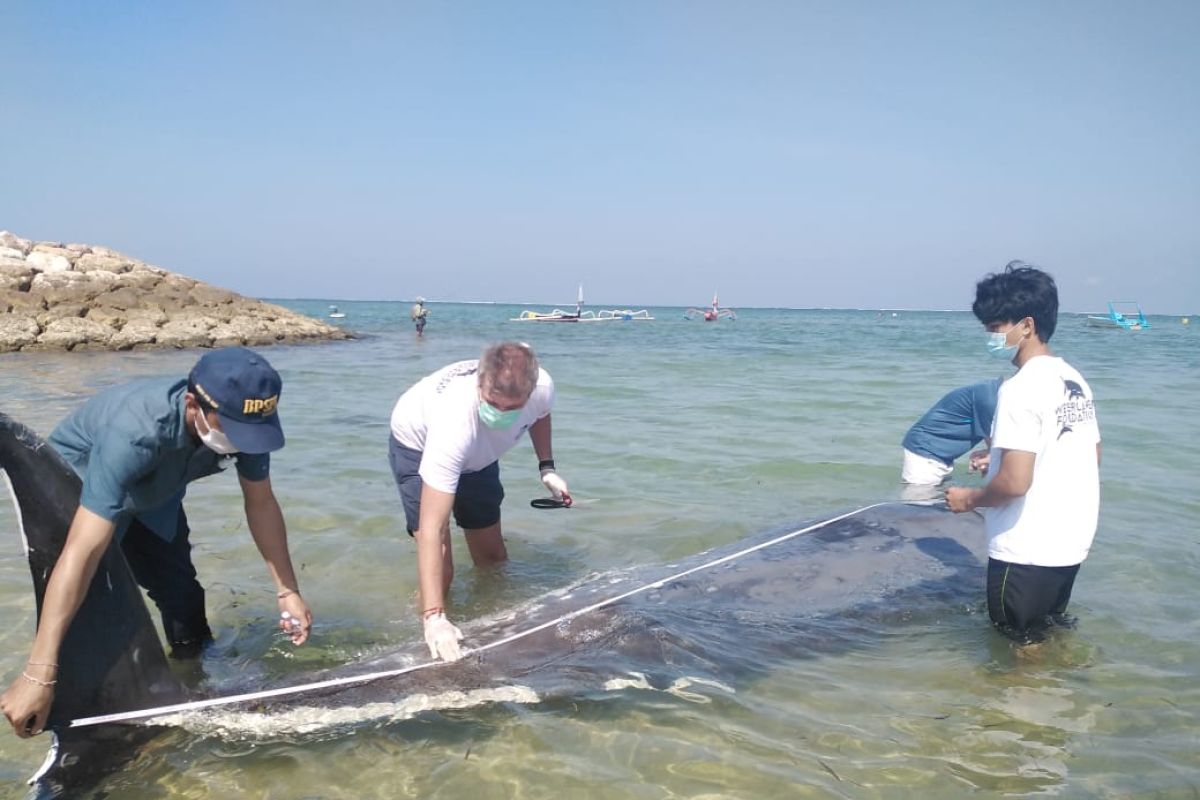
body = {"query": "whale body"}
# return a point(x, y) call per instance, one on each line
point(712, 622)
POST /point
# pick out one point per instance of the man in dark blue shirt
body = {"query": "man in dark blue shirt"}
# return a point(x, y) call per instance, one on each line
point(955, 424)
point(136, 447)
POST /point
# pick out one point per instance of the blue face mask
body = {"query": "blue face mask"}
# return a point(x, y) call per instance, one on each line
point(997, 344)
point(495, 418)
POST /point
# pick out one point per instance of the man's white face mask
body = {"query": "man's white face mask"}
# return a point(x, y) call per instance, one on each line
point(213, 439)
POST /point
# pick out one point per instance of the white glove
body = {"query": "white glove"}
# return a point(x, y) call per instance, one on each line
point(443, 637)
point(556, 485)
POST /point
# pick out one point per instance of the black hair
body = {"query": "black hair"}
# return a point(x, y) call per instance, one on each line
point(1018, 292)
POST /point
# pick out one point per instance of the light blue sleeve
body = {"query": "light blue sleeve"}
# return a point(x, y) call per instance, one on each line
point(114, 466)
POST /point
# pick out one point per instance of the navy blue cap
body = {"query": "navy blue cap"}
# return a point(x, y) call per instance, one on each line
point(244, 390)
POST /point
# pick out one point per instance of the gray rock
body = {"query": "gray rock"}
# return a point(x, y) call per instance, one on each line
point(113, 318)
point(141, 332)
point(61, 311)
point(154, 316)
point(122, 297)
point(24, 303)
point(65, 287)
point(17, 332)
point(205, 295)
point(80, 297)
point(15, 276)
point(186, 331)
point(90, 262)
point(140, 279)
point(48, 261)
point(70, 332)
point(105, 251)
point(16, 242)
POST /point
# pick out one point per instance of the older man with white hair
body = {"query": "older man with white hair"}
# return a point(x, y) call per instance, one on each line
point(448, 433)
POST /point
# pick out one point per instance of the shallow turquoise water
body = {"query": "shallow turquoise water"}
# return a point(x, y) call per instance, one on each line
point(678, 436)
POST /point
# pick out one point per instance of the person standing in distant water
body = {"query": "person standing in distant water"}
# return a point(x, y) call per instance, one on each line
point(448, 433)
point(955, 424)
point(136, 447)
point(419, 313)
point(1042, 496)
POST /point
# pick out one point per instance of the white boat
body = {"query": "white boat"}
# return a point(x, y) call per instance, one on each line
point(1123, 314)
point(711, 314)
point(334, 313)
point(580, 315)
point(623, 314)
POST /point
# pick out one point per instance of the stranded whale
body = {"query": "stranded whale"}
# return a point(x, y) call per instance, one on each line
point(707, 623)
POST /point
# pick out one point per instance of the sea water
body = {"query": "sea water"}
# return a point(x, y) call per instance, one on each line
point(676, 436)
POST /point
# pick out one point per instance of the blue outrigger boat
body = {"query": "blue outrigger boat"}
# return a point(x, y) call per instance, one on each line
point(1128, 316)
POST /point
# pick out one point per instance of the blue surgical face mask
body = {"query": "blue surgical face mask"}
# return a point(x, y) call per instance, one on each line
point(997, 344)
point(495, 418)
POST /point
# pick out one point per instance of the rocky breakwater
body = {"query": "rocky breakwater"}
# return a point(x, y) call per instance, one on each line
point(57, 296)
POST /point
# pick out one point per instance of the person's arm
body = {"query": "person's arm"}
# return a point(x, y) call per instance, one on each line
point(433, 537)
point(543, 447)
point(26, 704)
point(265, 520)
point(1012, 481)
point(540, 436)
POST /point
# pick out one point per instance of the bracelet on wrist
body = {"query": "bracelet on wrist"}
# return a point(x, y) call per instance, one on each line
point(41, 664)
point(287, 593)
point(545, 464)
point(433, 612)
point(36, 681)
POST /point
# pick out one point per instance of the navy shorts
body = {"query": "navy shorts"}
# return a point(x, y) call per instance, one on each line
point(1024, 599)
point(476, 502)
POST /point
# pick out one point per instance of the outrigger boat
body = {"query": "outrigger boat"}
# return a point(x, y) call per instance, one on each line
point(1128, 316)
point(580, 315)
point(711, 314)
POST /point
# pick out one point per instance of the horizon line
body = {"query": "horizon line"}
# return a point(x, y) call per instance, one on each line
point(666, 305)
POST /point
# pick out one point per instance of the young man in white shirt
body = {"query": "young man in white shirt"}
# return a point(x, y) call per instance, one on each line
point(1042, 494)
point(449, 431)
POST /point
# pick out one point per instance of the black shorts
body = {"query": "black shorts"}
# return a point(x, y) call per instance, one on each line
point(1024, 598)
point(476, 502)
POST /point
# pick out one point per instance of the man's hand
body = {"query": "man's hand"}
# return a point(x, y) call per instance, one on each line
point(442, 637)
point(978, 462)
point(294, 617)
point(26, 704)
point(962, 498)
point(557, 486)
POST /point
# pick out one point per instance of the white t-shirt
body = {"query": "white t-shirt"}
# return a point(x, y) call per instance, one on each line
point(1047, 409)
point(439, 415)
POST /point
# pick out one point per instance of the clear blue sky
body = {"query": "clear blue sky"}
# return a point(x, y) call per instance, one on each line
point(791, 153)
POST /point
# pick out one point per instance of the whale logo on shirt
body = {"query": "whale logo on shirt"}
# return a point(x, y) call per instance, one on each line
point(1065, 429)
point(1074, 390)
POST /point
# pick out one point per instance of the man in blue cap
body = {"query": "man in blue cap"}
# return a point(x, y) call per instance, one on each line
point(136, 447)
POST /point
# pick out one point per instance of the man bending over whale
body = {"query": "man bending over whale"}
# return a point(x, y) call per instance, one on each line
point(136, 447)
point(448, 433)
